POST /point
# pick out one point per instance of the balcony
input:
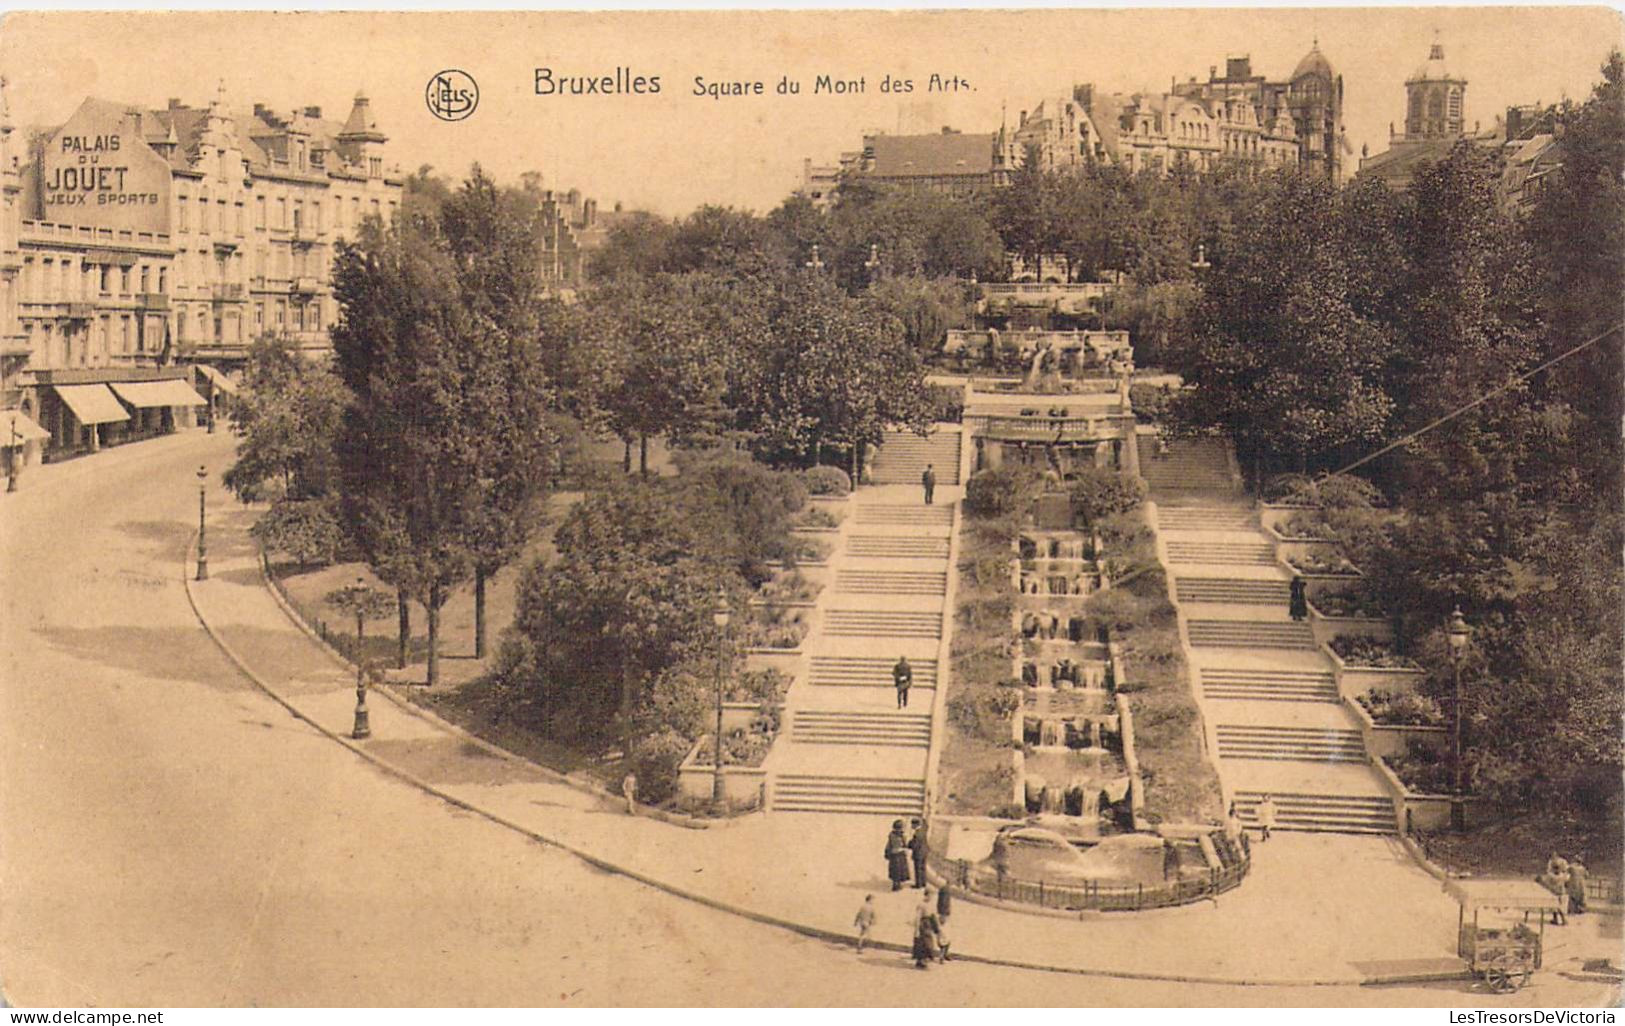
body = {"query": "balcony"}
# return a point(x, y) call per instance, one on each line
point(78, 311)
point(304, 286)
point(152, 300)
point(225, 246)
point(305, 236)
point(226, 292)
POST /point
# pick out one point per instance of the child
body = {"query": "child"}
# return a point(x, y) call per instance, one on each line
point(865, 920)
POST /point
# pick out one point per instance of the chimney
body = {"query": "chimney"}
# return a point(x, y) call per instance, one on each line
point(1022, 120)
point(313, 112)
point(174, 103)
point(1212, 72)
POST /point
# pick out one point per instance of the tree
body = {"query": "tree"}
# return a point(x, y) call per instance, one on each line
point(286, 422)
point(1024, 213)
point(925, 307)
point(408, 452)
point(638, 244)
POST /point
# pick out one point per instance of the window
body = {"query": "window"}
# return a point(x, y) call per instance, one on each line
point(185, 214)
point(282, 212)
point(124, 333)
point(259, 211)
point(106, 278)
point(298, 215)
point(316, 214)
point(124, 281)
point(145, 279)
point(355, 211)
point(163, 279)
point(259, 314)
point(240, 219)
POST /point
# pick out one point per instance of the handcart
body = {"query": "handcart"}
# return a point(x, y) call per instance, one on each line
point(1500, 928)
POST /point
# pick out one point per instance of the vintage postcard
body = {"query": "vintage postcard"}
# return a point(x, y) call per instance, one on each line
point(865, 508)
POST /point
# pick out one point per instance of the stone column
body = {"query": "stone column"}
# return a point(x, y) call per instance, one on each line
point(1131, 448)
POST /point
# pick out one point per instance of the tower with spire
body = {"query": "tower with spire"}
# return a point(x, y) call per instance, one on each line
point(1435, 99)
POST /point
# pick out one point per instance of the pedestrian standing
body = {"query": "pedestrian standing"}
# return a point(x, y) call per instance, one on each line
point(1170, 860)
point(902, 678)
point(918, 846)
point(1298, 605)
point(1234, 830)
point(926, 929)
point(945, 903)
point(929, 481)
point(629, 788)
point(1577, 886)
point(897, 856)
point(865, 920)
point(1266, 817)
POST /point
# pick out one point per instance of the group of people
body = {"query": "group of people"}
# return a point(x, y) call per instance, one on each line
point(903, 853)
point(1264, 814)
point(1566, 879)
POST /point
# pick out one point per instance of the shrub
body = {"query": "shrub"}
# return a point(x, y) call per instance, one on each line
point(827, 480)
point(764, 687)
point(999, 491)
point(1421, 769)
point(947, 403)
point(1402, 708)
point(1349, 602)
point(655, 760)
point(1006, 700)
point(1361, 651)
point(1150, 402)
point(818, 517)
point(1098, 492)
point(791, 586)
point(308, 532)
point(1322, 563)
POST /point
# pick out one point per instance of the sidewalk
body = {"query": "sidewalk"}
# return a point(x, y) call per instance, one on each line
point(1316, 910)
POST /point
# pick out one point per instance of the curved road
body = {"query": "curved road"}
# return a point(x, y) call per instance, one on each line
point(171, 837)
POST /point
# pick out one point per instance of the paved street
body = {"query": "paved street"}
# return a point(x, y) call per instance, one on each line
point(172, 836)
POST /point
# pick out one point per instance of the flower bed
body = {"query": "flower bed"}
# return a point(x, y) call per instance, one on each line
point(1401, 708)
point(1333, 564)
point(1422, 770)
point(1359, 651)
point(820, 517)
point(1356, 603)
point(787, 588)
point(777, 627)
point(809, 550)
point(1305, 524)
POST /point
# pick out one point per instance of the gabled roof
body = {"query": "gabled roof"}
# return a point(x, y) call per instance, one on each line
point(948, 153)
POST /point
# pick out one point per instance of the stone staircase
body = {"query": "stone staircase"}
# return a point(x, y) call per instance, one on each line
point(877, 796)
point(864, 671)
point(1336, 813)
point(1302, 744)
point(846, 727)
point(1238, 591)
point(1251, 634)
point(1206, 518)
point(904, 515)
point(896, 546)
point(892, 582)
point(1268, 685)
point(1229, 553)
point(882, 623)
point(1187, 465)
point(903, 456)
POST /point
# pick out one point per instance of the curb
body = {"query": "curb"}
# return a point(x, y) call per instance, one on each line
point(802, 929)
point(392, 692)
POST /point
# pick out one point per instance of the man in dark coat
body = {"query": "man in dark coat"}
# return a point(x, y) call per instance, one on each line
point(929, 480)
point(902, 678)
point(897, 856)
point(926, 928)
point(1299, 603)
point(918, 845)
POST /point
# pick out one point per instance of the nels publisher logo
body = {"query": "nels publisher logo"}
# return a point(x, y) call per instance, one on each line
point(452, 95)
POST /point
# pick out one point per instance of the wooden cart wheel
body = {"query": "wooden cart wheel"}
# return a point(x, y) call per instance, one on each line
point(1499, 980)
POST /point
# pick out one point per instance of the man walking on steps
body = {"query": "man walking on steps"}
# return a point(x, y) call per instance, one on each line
point(902, 677)
point(929, 480)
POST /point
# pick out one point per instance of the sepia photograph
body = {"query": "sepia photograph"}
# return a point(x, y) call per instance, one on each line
point(870, 508)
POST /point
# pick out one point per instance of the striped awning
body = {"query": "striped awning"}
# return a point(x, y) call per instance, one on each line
point(217, 379)
point(15, 424)
point(91, 404)
point(168, 392)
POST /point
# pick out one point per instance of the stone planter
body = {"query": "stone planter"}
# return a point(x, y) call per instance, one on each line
point(1273, 514)
point(739, 783)
point(1357, 680)
point(785, 660)
point(1383, 739)
point(738, 715)
point(1288, 548)
point(1421, 811)
point(1328, 627)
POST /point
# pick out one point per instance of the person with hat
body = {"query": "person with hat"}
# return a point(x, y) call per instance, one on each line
point(897, 856)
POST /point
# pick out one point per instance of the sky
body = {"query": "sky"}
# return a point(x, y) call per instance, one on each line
point(672, 151)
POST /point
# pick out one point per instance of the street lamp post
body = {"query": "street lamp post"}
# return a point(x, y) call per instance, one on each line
point(363, 722)
point(202, 524)
point(815, 264)
point(1457, 632)
point(872, 265)
point(720, 615)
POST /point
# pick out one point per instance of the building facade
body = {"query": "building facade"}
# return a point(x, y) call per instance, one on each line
point(145, 243)
point(1435, 121)
point(1302, 114)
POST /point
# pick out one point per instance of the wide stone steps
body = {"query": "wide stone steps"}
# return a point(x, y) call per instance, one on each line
point(906, 514)
point(896, 546)
point(882, 623)
point(1249, 634)
point(1204, 518)
point(892, 582)
point(1297, 744)
point(1232, 591)
point(841, 727)
point(1186, 466)
point(864, 671)
point(903, 456)
point(1268, 685)
point(876, 796)
point(1333, 813)
point(1238, 553)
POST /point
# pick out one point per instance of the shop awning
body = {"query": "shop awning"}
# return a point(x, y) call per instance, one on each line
point(92, 404)
point(218, 379)
point(168, 392)
point(15, 423)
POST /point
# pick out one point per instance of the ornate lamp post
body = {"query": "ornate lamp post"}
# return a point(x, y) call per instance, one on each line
point(1201, 261)
point(815, 264)
point(720, 615)
point(367, 604)
point(202, 524)
point(1458, 633)
point(872, 265)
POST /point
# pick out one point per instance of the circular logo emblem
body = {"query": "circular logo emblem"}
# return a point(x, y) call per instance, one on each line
point(452, 95)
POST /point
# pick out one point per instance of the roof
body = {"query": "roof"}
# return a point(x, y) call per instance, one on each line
point(946, 153)
point(1314, 63)
point(1401, 161)
point(1433, 69)
point(1510, 894)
